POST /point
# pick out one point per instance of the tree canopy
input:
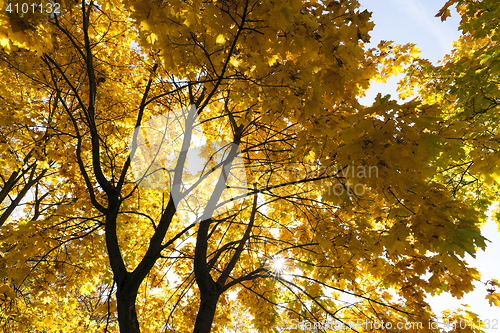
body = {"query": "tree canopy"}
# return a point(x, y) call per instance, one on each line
point(198, 166)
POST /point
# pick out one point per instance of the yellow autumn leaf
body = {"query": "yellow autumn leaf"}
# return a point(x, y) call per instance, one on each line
point(220, 39)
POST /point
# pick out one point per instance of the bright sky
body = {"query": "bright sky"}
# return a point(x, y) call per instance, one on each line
point(413, 21)
point(410, 21)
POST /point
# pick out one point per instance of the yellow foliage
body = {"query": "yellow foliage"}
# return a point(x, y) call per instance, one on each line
point(172, 165)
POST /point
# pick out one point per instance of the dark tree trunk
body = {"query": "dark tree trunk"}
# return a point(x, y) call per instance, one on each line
point(206, 312)
point(127, 315)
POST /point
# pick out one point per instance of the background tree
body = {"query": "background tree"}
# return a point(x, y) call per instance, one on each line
point(465, 85)
point(278, 80)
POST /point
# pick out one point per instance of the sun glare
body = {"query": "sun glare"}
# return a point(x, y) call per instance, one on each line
point(279, 265)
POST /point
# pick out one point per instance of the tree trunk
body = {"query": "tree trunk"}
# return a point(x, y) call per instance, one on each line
point(127, 315)
point(206, 313)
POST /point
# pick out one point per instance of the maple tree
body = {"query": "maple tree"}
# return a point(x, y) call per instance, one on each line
point(350, 212)
point(465, 85)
